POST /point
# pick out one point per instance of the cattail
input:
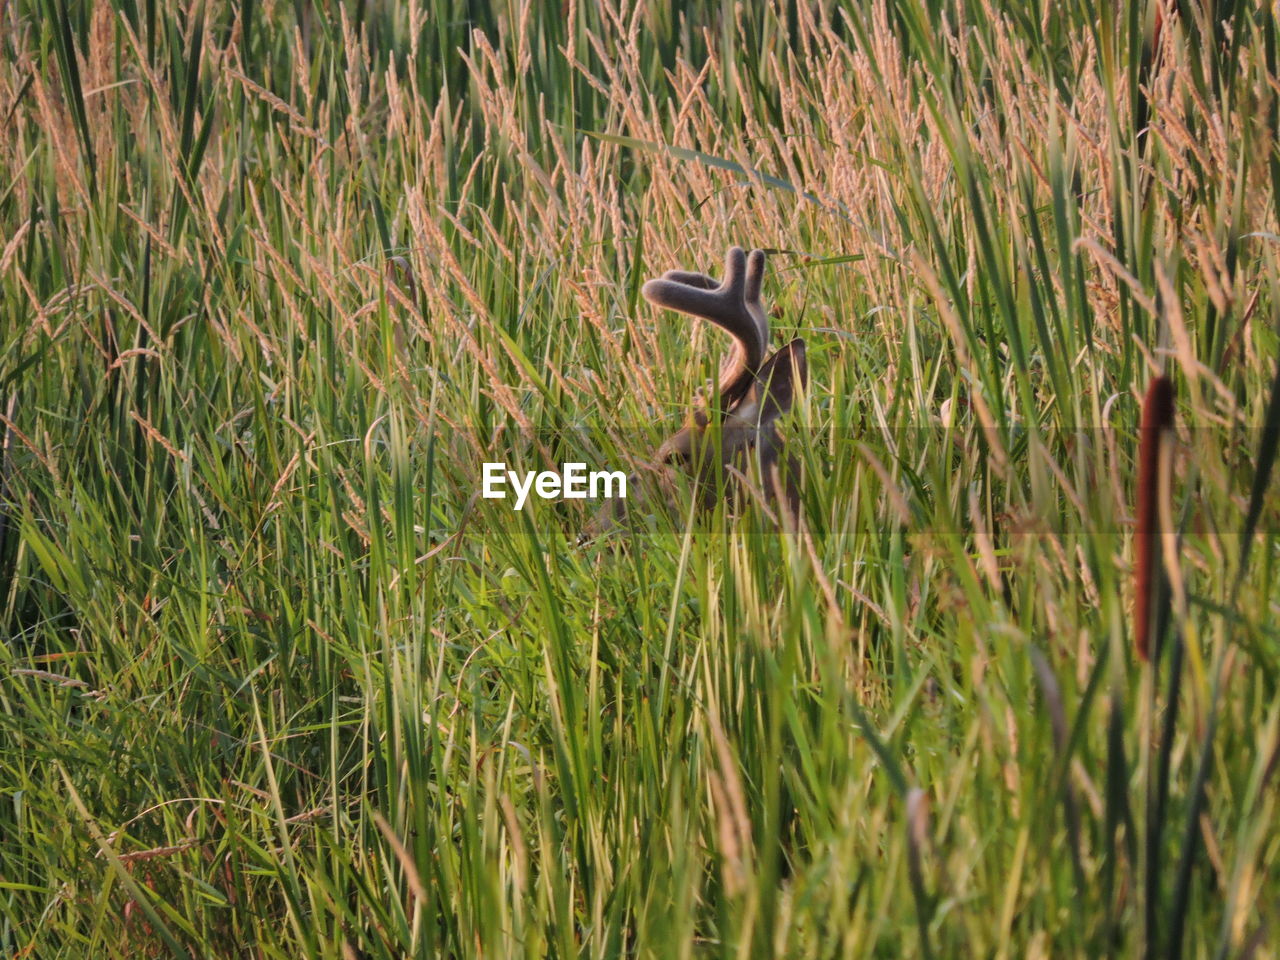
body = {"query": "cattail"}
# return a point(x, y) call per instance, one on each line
point(1157, 417)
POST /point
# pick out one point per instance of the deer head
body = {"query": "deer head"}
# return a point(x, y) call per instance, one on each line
point(754, 388)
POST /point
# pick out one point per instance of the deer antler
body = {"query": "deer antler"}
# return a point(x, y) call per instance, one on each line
point(733, 305)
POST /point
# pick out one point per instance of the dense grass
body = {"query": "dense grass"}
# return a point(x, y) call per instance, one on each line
point(274, 683)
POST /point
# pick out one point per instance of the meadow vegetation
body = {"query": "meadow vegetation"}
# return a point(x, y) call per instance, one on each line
point(276, 683)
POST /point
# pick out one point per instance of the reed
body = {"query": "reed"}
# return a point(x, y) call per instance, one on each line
point(275, 680)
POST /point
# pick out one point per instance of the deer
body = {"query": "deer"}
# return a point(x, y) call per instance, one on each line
point(754, 390)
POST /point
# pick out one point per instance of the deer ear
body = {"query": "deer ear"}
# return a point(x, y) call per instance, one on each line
point(780, 378)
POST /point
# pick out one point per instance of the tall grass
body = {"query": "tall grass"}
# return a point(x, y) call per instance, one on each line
point(276, 683)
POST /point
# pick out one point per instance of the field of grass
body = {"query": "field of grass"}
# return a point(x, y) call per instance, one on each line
point(276, 683)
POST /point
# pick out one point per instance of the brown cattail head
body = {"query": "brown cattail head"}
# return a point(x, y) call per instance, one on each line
point(1157, 418)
